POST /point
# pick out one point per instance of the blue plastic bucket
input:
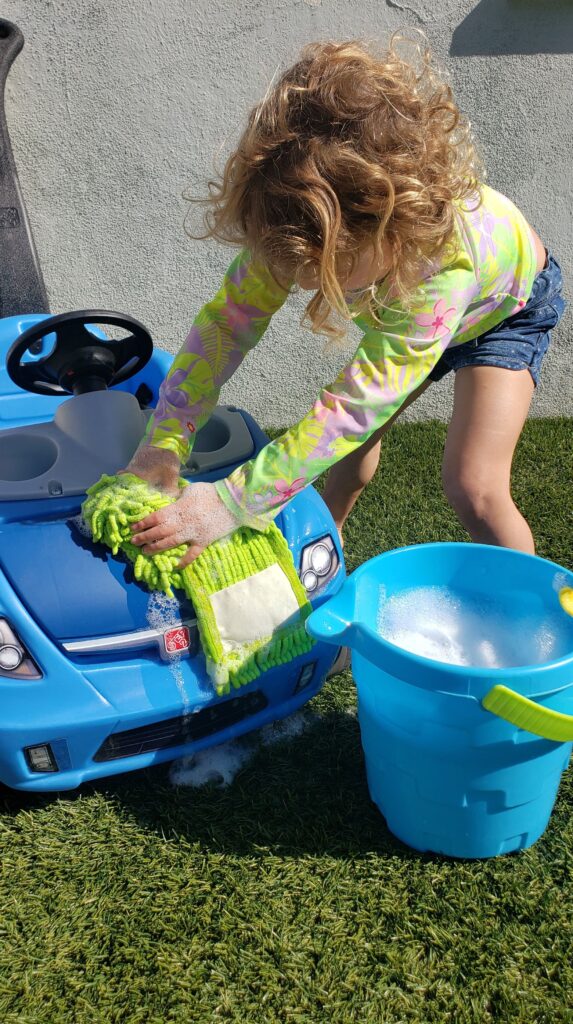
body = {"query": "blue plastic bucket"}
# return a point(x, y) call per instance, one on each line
point(463, 761)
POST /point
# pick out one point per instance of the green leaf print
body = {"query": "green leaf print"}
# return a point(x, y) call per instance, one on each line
point(216, 340)
point(300, 444)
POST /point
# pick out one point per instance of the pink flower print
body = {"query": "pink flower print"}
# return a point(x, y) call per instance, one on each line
point(435, 319)
point(241, 318)
point(286, 491)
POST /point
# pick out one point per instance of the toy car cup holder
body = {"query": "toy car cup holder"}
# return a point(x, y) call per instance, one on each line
point(223, 440)
point(25, 457)
point(213, 436)
point(90, 434)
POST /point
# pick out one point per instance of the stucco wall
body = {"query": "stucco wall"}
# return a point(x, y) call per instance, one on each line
point(116, 107)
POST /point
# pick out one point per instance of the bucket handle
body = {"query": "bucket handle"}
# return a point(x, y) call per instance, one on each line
point(527, 715)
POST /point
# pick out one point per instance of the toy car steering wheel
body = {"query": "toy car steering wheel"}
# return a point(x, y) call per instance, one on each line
point(79, 360)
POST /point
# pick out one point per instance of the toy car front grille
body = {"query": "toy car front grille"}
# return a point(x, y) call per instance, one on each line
point(175, 732)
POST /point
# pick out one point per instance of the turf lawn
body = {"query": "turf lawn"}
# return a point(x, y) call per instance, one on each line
point(284, 897)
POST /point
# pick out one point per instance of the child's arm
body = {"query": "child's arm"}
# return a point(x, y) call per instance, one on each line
point(392, 360)
point(222, 334)
point(390, 363)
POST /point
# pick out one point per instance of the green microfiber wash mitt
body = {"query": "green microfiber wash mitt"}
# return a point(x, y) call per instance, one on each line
point(250, 605)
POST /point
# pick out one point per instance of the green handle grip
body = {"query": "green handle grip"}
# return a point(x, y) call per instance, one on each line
point(526, 714)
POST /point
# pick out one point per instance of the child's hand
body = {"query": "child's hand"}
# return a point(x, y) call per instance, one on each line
point(158, 466)
point(197, 518)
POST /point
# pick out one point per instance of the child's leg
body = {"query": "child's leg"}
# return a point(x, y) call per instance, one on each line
point(490, 407)
point(348, 478)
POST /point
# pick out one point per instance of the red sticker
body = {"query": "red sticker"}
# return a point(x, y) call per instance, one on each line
point(176, 639)
point(190, 428)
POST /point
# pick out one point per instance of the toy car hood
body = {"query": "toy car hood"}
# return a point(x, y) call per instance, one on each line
point(70, 586)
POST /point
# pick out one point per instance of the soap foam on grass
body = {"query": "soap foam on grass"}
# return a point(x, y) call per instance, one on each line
point(220, 764)
point(436, 623)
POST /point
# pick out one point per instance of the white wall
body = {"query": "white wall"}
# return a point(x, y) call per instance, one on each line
point(115, 107)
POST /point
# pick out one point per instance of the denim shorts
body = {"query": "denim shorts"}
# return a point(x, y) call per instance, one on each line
point(520, 341)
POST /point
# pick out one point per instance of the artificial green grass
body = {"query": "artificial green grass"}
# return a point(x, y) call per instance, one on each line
point(284, 898)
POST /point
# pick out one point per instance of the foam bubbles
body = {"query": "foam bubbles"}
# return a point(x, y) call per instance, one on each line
point(78, 522)
point(439, 624)
point(219, 765)
point(158, 466)
point(164, 613)
point(198, 516)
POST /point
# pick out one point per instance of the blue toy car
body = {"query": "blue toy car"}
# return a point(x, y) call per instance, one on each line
point(97, 676)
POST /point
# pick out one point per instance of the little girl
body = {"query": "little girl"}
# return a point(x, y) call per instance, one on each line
point(356, 178)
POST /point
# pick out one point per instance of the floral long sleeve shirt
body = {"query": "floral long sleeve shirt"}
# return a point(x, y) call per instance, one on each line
point(489, 278)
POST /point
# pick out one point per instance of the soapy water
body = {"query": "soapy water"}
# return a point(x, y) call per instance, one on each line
point(164, 613)
point(78, 523)
point(440, 624)
point(198, 513)
point(220, 764)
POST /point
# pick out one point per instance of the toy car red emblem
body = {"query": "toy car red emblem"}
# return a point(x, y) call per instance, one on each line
point(176, 640)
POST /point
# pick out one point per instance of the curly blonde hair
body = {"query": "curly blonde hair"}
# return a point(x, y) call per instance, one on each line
point(349, 148)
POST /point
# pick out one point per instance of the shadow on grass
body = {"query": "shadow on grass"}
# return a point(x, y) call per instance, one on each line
point(308, 795)
point(305, 795)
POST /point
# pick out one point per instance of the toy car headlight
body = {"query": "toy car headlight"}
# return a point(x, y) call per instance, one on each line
point(15, 661)
point(318, 564)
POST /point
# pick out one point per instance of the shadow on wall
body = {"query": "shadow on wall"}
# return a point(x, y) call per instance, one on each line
point(515, 26)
